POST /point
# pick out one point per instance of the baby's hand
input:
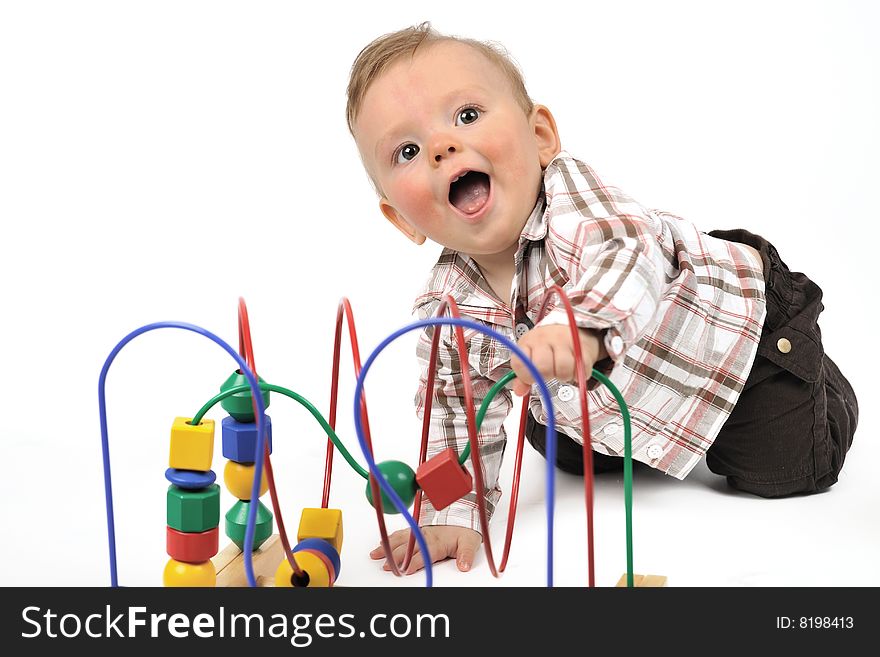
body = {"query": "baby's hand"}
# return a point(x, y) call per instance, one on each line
point(444, 542)
point(551, 350)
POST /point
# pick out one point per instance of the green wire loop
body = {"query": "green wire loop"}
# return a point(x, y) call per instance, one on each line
point(503, 381)
point(299, 398)
point(627, 470)
point(627, 452)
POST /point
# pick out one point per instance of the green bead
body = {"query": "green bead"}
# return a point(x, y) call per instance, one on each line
point(241, 405)
point(402, 480)
point(193, 511)
point(236, 523)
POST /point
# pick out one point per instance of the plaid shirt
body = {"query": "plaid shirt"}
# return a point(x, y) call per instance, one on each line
point(681, 312)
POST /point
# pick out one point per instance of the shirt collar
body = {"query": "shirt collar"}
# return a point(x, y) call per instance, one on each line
point(459, 276)
point(536, 226)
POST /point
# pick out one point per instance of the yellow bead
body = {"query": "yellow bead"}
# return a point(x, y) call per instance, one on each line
point(318, 575)
point(239, 479)
point(325, 524)
point(178, 573)
point(192, 447)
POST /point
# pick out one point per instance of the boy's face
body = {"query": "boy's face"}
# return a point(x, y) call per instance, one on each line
point(427, 121)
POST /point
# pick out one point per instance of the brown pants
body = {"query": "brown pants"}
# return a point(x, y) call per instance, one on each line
point(794, 421)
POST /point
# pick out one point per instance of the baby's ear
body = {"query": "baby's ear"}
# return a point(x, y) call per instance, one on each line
point(546, 134)
point(397, 219)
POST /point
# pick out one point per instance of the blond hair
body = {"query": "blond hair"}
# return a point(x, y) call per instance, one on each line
point(382, 52)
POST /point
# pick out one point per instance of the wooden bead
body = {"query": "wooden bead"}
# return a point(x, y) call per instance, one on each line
point(241, 404)
point(323, 548)
point(443, 479)
point(190, 478)
point(325, 524)
point(178, 573)
point(192, 447)
point(192, 547)
point(193, 510)
point(402, 480)
point(239, 479)
point(318, 575)
point(236, 523)
point(324, 559)
point(240, 439)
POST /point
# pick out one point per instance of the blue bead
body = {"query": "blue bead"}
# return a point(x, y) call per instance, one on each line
point(322, 546)
point(190, 479)
point(240, 439)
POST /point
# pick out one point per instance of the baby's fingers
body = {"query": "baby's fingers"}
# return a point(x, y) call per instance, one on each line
point(563, 365)
point(416, 564)
point(523, 381)
point(520, 389)
point(467, 551)
point(398, 555)
point(543, 357)
point(397, 538)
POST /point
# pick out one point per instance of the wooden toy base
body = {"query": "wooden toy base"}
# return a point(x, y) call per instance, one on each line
point(229, 563)
point(641, 581)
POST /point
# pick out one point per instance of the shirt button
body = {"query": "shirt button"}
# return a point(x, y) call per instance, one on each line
point(616, 344)
point(783, 345)
point(565, 393)
point(610, 429)
point(521, 330)
point(655, 452)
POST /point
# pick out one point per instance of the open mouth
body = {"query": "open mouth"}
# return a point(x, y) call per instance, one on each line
point(469, 193)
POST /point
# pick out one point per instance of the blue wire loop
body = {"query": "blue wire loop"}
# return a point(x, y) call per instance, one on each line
point(258, 456)
point(551, 433)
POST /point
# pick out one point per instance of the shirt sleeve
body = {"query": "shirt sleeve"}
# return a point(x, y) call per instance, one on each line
point(615, 272)
point(448, 423)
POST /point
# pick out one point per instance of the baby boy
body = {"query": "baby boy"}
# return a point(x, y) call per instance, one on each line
point(711, 339)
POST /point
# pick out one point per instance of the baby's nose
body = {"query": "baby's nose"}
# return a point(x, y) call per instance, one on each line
point(443, 145)
point(440, 153)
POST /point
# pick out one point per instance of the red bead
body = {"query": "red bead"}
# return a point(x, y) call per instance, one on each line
point(443, 479)
point(192, 547)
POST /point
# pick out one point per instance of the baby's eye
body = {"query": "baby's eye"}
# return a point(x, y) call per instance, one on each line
point(467, 115)
point(407, 152)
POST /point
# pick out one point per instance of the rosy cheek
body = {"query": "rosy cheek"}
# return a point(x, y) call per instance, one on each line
point(417, 200)
point(508, 151)
point(519, 150)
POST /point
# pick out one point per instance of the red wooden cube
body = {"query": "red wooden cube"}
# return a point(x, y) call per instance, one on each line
point(444, 479)
point(191, 547)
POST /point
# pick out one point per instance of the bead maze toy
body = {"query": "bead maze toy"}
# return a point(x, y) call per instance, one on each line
point(256, 556)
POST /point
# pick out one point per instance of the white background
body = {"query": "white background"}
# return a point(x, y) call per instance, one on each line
point(159, 159)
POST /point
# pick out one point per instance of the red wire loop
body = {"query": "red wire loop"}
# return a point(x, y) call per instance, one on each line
point(344, 309)
point(246, 349)
point(479, 485)
point(555, 290)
